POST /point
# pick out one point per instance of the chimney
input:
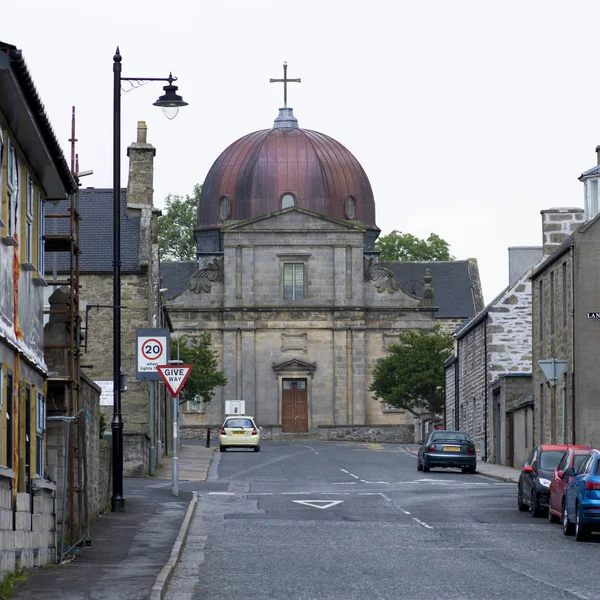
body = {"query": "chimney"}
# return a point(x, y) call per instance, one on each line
point(557, 225)
point(598, 154)
point(140, 187)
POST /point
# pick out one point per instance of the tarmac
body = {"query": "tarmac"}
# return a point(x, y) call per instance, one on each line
point(133, 554)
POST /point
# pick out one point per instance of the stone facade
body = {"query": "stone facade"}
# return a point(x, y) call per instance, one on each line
point(566, 287)
point(330, 340)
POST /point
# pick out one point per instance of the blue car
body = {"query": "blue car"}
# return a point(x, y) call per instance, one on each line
point(581, 513)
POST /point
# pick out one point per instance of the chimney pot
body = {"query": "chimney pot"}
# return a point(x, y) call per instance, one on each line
point(598, 154)
point(142, 130)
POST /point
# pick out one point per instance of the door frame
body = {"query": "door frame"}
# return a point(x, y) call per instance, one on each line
point(294, 375)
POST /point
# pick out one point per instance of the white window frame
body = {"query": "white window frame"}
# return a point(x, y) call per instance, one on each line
point(295, 292)
point(30, 189)
point(12, 190)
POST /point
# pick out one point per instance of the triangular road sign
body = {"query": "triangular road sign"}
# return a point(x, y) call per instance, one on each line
point(318, 503)
point(174, 376)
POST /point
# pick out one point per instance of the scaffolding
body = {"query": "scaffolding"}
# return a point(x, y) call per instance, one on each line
point(62, 239)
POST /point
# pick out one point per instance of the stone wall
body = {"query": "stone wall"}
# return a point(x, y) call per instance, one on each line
point(398, 434)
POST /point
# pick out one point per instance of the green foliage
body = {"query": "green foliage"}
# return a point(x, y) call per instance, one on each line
point(404, 247)
point(204, 377)
point(411, 376)
point(102, 425)
point(176, 227)
point(9, 583)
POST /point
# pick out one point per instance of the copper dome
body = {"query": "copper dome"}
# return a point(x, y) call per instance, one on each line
point(251, 177)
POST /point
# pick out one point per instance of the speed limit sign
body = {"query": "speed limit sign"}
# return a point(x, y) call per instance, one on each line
point(152, 350)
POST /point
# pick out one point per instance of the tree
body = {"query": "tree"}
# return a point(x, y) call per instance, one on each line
point(411, 376)
point(405, 247)
point(176, 227)
point(205, 377)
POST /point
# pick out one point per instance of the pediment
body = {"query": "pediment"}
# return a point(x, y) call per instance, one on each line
point(294, 364)
point(293, 218)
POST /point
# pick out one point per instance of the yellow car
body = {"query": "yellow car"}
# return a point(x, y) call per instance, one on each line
point(239, 431)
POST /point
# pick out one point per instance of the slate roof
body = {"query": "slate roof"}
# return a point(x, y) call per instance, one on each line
point(451, 282)
point(175, 276)
point(96, 233)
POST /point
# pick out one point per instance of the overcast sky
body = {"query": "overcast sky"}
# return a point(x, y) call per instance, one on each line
point(469, 117)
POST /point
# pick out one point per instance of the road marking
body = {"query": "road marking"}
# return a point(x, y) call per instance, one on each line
point(221, 493)
point(421, 522)
point(340, 483)
point(351, 474)
point(322, 504)
point(385, 497)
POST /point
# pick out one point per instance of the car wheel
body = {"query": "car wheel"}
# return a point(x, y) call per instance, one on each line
point(522, 506)
point(473, 470)
point(552, 518)
point(425, 468)
point(581, 531)
point(536, 510)
point(256, 448)
point(419, 465)
point(222, 448)
point(567, 526)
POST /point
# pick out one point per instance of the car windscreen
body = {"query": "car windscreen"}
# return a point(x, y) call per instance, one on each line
point(449, 437)
point(232, 423)
point(549, 459)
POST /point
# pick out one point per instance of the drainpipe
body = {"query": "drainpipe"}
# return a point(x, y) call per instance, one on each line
point(456, 388)
point(572, 253)
point(485, 393)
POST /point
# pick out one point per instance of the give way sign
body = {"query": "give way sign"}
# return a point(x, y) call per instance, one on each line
point(174, 376)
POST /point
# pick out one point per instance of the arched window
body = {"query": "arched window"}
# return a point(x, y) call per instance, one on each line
point(350, 207)
point(287, 200)
point(224, 208)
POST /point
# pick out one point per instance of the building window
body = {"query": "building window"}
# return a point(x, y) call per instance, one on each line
point(30, 190)
point(41, 232)
point(1, 173)
point(564, 294)
point(287, 200)
point(12, 189)
point(350, 207)
point(552, 302)
point(224, 208)
point(1, 405)
point(542, 400)
point(541, 308)
point(40, 435)
point(293, 281)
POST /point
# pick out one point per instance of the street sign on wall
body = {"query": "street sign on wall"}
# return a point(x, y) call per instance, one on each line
point(152, 350)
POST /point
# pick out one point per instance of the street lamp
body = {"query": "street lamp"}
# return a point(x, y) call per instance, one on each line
point(170, 102)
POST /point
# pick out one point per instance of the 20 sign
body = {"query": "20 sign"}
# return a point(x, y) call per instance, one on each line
point(152, 350)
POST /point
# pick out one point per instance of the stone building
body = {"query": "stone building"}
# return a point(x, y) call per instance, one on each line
point(33, 170)
point(496, 342)
point(289, 285)
point(566, 289)
point(140, 299)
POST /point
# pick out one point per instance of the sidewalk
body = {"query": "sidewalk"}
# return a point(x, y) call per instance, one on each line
point(501, 472)
point(134, 551)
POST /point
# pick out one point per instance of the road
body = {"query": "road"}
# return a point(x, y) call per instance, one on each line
point(341, 521)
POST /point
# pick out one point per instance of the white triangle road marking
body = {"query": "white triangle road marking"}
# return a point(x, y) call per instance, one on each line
point(318, 503)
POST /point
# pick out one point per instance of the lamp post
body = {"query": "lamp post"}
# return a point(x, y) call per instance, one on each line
point(170, 103)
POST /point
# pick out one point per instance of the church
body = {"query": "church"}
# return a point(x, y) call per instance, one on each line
point(287, 280)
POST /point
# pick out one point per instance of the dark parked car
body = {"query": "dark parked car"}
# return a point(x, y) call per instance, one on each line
point(572, 458)
point(581, 514)
point(534, 481)
point(447, 449)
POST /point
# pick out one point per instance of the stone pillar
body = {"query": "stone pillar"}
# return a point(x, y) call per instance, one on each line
point(230, 364)
point(249, 373)
point(340, 371)
point(359, 375)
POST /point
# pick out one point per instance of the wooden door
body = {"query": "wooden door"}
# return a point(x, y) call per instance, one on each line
point(294, 406)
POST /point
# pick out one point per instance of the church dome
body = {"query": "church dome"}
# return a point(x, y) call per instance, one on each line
point(285, 166)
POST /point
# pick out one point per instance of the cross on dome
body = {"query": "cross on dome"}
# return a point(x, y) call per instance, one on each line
point(285, 81)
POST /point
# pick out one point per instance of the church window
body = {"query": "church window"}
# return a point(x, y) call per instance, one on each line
point(293, 281)
point(350, 207)
point(287, 200)
point(224, 207)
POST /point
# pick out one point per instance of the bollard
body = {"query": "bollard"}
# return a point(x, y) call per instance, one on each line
point(208, 437)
